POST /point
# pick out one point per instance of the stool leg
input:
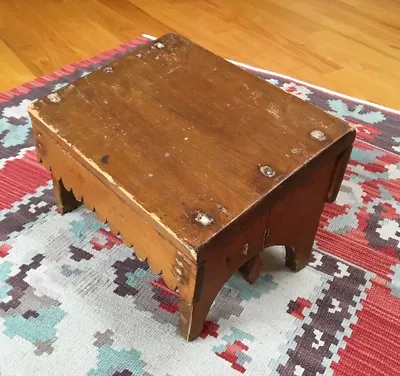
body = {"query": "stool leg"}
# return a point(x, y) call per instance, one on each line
point(297, 259)
point(295, 231)
point(209, 281)
point(294, 219)
point(65, 200)
point(193, 312)
point(251, 269)
point(192, 318)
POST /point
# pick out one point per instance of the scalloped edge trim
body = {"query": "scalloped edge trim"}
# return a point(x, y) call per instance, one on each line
point(103, 219)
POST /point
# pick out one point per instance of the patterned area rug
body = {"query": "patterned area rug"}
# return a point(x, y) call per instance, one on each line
point(75, 301)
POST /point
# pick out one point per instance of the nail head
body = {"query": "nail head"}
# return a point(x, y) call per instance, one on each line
point(54, 98)
point(159, 45)
point(267, 171)
point(318, 135)
point(203, 219)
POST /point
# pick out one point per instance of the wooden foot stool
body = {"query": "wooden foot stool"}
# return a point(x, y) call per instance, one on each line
point(197, 163)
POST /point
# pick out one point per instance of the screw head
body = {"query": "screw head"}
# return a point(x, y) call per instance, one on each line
point(54, 98)
point(318, 135)
point(159, 45)
point(108, 69)
point(267, 171)
point(245, 249)
point(203, 219)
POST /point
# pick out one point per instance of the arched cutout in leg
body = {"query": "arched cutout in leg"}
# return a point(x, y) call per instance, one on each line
point(295, 261)
point(209, 281)
point(295, 217)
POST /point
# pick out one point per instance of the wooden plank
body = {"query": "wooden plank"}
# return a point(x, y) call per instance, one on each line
point(158, 249)
point(186, 133)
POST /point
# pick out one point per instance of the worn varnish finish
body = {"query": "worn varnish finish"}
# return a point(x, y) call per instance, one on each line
point(197, 163)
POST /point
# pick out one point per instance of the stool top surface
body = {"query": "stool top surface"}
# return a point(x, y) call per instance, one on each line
point(191, 138)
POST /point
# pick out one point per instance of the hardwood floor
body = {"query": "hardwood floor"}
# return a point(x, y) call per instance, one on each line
point(351, 46)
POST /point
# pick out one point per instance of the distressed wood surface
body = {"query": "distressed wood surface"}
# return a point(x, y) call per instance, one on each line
point(187, 135)
point(73, 183)
point(195, 162)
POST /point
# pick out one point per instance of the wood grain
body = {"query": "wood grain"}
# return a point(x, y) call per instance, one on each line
point(195, 162)
point(150, 245)
point(351, 46)
point(186, 132)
